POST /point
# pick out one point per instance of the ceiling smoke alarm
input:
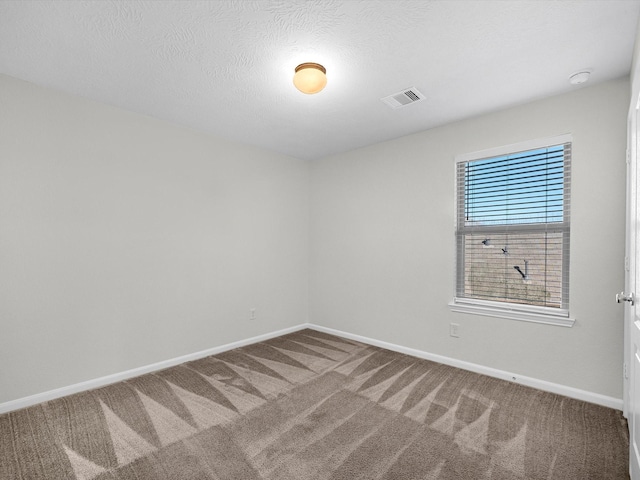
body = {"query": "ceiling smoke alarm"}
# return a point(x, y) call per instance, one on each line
point(579, 78)
point(403, 98)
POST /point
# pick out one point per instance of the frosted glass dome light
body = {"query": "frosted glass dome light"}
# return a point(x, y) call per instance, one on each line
point(310, 78)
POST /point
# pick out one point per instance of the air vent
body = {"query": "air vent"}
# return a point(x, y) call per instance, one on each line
point(403, 98)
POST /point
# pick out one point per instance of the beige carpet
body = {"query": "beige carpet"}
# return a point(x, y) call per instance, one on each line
point(313, 406)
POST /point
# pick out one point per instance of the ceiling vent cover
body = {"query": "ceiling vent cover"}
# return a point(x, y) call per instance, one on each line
point(403, 98)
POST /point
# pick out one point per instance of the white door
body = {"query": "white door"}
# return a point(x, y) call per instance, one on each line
point(632, 307)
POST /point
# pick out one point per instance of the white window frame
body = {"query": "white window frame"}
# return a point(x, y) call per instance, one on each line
point(511, 311)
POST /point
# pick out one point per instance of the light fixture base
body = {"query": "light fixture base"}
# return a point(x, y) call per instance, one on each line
point(317, 66)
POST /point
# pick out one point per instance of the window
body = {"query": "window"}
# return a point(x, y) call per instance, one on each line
point(512, 232)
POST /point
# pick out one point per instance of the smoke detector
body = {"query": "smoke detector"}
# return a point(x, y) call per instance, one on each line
point(579, 77)
point(403, 98)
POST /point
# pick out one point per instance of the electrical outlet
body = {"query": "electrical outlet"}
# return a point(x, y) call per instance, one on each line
point(454, 330)
point(252, 314)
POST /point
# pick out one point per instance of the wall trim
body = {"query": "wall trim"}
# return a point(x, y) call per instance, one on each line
point(591, 397)
point(135, 372)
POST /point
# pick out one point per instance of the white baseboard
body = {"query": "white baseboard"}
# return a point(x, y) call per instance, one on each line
point(591, 397)
point(135, 372)
point(571, 392)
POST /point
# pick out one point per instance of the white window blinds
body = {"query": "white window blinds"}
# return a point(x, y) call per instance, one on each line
point(512, 230)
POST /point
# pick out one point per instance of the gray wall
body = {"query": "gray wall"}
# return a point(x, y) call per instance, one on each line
point(125, 241)
point(382, 242)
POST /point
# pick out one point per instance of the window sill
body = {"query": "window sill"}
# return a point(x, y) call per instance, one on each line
point(511, 314)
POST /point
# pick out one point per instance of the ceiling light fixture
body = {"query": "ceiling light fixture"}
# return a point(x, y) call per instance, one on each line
point(310, 78)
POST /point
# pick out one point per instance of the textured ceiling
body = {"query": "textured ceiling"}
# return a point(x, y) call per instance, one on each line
point(225, 67)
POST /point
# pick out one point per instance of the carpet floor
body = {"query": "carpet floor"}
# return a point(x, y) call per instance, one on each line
point(309, 405)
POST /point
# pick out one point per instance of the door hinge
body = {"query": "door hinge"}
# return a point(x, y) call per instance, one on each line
point(625, 370)
point(626, 263)
point(628, 156)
